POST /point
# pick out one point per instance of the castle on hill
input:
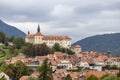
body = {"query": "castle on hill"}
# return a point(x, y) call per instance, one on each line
point(39, 38)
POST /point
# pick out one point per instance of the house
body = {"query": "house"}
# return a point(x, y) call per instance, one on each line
point(95, 67)
point(65, 64)
point(84, 64)
point(76, 49)
point(113, 61)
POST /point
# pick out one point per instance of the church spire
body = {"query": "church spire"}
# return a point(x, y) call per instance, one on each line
point(28, 32)
point(38, 29)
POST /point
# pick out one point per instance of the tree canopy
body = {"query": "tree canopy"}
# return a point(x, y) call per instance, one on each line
point(92, 77)
point(45, 71)
point(36, 50)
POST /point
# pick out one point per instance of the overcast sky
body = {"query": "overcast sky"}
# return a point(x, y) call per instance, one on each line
point(75, 18)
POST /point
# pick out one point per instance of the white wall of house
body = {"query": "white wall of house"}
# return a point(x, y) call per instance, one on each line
point(96, 67)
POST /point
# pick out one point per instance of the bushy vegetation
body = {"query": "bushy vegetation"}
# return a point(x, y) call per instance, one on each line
point(45, 71)
point(36, 50)
point(16, 70)
point(57, 48)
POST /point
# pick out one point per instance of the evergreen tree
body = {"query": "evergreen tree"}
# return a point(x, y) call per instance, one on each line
point(45, 71)
point(56, 48)
point(68, 77)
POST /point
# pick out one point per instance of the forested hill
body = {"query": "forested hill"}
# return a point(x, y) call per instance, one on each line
point(10, 30)
point(101, 43)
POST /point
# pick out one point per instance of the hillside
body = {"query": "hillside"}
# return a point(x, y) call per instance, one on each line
point(101, 43)
point(10, 30)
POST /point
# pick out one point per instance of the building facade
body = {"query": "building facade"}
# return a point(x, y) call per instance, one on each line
point(39, 38)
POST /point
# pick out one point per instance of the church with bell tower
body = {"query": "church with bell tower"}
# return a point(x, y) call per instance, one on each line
point(39, 38)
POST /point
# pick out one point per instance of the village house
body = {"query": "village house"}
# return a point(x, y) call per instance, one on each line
point(113, 61)
point(76, 49)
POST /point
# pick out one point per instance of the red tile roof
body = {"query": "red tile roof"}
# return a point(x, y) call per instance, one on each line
point(77, 46)
point(48, 37)
point(30, 36)
point(55, 37)
point(24, 78)
point(38, 34)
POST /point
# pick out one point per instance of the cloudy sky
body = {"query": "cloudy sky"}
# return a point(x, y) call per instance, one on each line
point(75, 18)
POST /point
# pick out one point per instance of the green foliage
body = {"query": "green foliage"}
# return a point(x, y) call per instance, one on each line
point(106, 75)
point(110, 77)
point(56, 48)
point(92, 77)
point(15, 71)
point(45, 71)
point(19, 42)
point(2, 37)
point(118, 75)
point(33, 78)
point(118, 78)
point(111, 67)
point(68, 77)
point(36, 50)
point(70, 52)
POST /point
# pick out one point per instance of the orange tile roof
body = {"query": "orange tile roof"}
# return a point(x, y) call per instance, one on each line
point(38, 34)
point(55, 37)
point(96, 73)
point(77, 46)
point(74, 74)
point(24, 78)
point(30, 36)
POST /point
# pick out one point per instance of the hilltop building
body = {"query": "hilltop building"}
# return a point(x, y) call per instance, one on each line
point(39, 38)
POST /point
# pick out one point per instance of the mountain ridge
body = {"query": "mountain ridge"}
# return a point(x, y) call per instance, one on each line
point(11, 30)
point(101, 43)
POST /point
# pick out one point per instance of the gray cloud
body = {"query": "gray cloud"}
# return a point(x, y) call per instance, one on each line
point(76, 18)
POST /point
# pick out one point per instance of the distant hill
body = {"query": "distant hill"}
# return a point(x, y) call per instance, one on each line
point(10, 30)
point(101, 43)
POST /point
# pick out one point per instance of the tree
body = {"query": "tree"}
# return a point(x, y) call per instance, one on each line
point(19, 42)
point(110, 77)
point(45, 71)
point(56, 47)
point(92, 77)
point(2, 37)
point(36, 50)
point(15, 71)
point(68, 77)
point(33, 78)
point(104, 76)
point(118, 75)
point(70, 52)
